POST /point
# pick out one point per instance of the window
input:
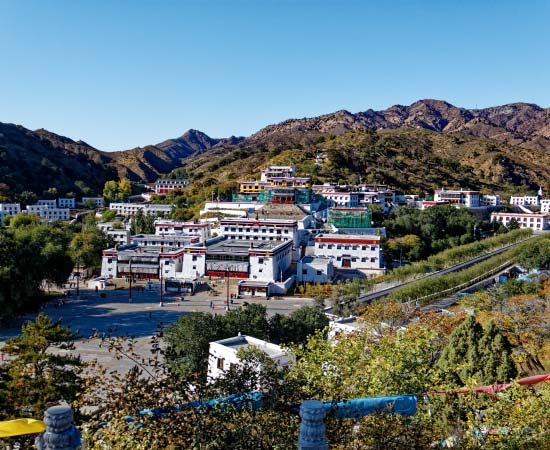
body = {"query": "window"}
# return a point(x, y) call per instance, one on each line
point(339, 258)
point(363, 247)
point(194, 257)
point(219, 364)
point(330, 246)
point(363, 259)
point(260, 260)
point(319, 272)
point(109, 261)
point(194, 267)
point(372, 248)
point(373, 260)
point(304, 271)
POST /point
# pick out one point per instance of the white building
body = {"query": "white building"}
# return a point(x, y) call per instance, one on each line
point(342, 199)
point(97, 200)
point(345, 326)
point(261, 230)
point(315, 270)
point(165, 227)
point(53, 214)
point(534, 221)
point(165, 185)
point(469, 199)
point(523, 200)
point(277, 171)
point(65, 203)
point(490, 200)
point(257, 260)
point(119, 236)
point(47, 203)
point(351, 251)
point(239, 209)
point(545, 205)
point(142, 262)
point(130, 209)
point(223, 354)
point(10, 209)
point(49, 214)
point(169, 241)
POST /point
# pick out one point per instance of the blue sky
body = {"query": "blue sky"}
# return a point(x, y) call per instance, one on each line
point(119, 74)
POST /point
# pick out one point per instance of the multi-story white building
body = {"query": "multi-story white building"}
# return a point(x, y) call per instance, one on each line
point(523, 200)
point(170, 241)
point(312, 269)
point(342, 199)
point(545, 205)
point(490, 200)
point(277, 171)
point(536, 222)
point(260, 229)
point(47, 203)
point(142, 262)
point(10, 209)
point(66, 203)
point(165, 185)
point(469, 199)
point(223, 354)
point(119, 236)
point(256, 260)
point(165, 227)
point(49, 213)
point(349, 251)
point(97, 200)
point(130, 209)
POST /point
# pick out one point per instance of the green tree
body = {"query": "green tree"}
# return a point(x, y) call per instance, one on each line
point(188, 341)
point(27, 198)
point(86, 247)
point(513, 224)
point(124, 189)
point(296, 327)
point(108, 215)
point(472, 353)
point(536, 256)
point(110, 191)
point(41, 373)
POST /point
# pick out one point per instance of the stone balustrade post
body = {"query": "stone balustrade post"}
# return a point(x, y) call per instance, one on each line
point(60, 432)
point(312, 428)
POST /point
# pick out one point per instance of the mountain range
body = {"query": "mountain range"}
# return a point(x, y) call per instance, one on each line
point(36, 160)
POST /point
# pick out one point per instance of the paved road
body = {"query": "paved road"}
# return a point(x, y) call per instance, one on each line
point(364, 299)
point(116, 316)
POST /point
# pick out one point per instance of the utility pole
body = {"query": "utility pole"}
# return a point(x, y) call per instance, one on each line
point(78, 278)
point(161, 304)
point(227, 289)
point(130, 288)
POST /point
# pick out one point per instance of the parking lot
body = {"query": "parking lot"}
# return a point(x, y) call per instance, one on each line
point(112, 313)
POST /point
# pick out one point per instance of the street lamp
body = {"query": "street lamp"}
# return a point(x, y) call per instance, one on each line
point(78, 278)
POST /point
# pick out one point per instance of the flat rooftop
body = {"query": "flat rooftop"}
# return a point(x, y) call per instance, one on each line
point(238, 342)
point(281, 211)
point(241, 246)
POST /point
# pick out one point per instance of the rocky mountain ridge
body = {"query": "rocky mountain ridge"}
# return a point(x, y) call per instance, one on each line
point(36, 160)
point(522, 124)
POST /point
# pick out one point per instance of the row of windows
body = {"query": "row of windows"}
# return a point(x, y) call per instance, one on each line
point(373, 248)
point(257, 230)
point(263, 238)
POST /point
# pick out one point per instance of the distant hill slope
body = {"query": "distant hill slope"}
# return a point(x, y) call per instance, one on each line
point(426, 144)
point(411, 159)
point(38, 160)
point(522, 124)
